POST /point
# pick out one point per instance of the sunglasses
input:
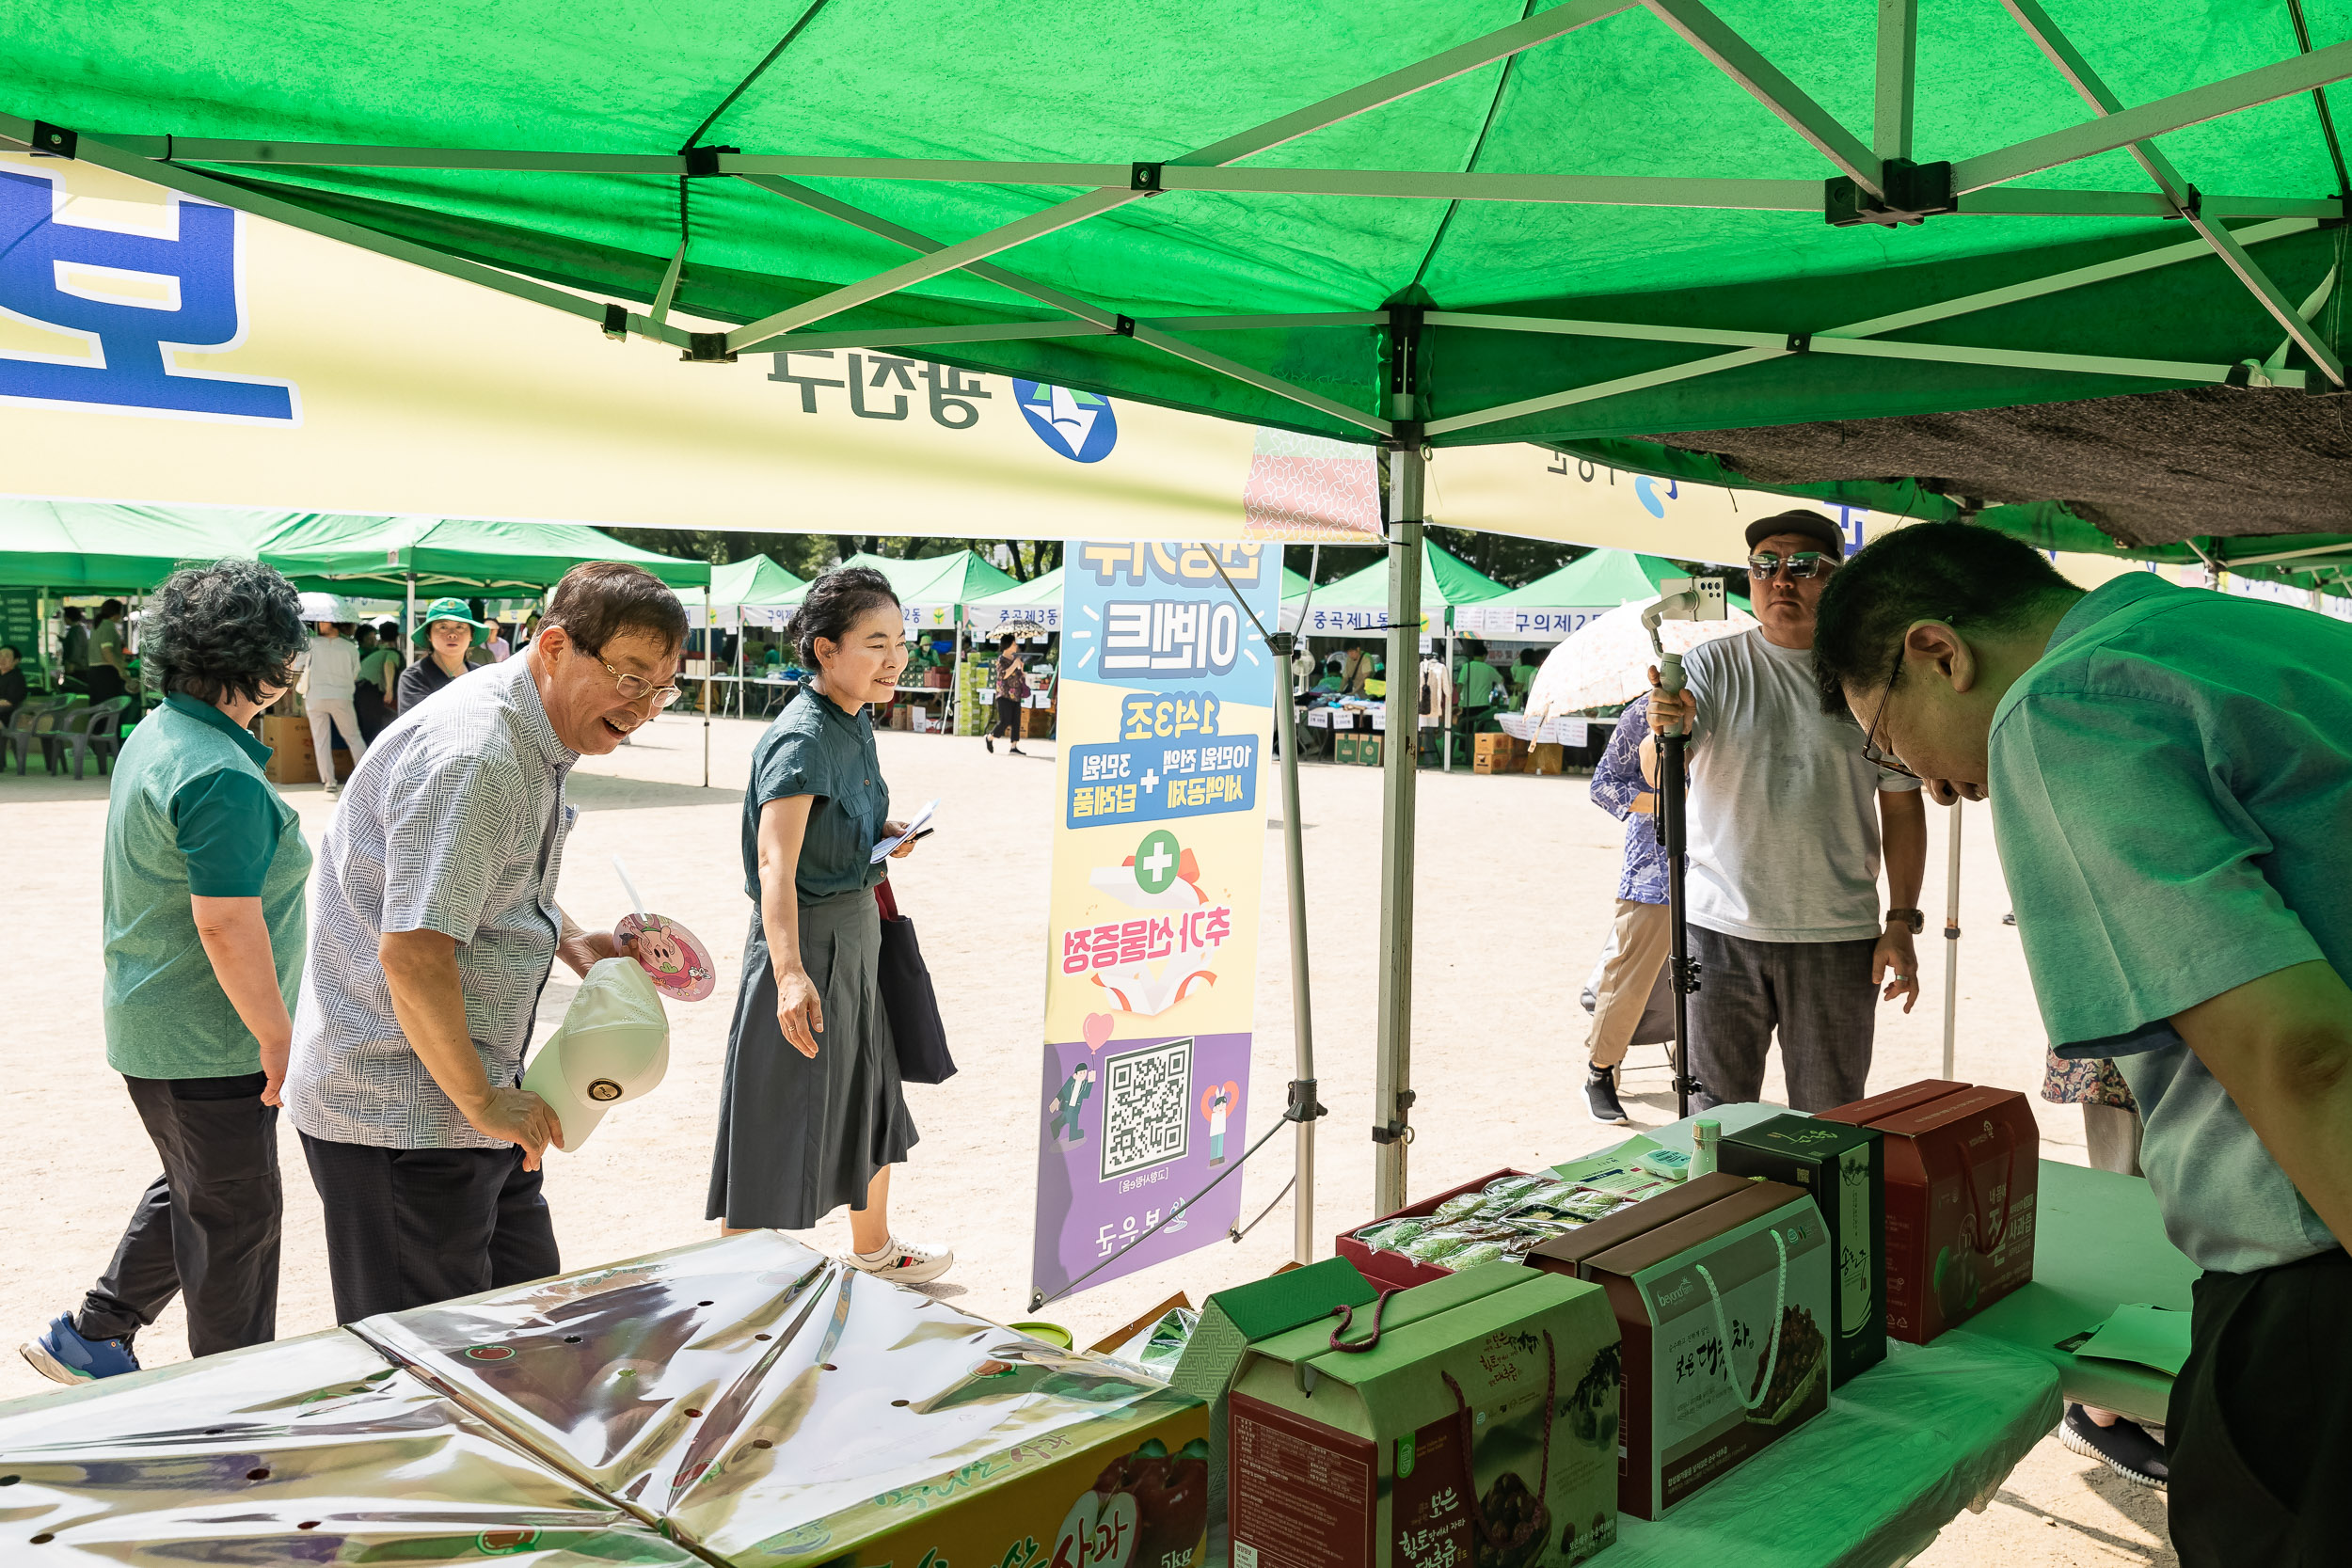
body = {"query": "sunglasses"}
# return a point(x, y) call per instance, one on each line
point(1802, 564)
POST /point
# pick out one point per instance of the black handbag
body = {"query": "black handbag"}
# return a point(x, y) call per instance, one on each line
point(908, 998)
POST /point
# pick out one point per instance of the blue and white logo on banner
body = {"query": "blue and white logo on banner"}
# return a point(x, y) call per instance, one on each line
point(1079, 425)
point(134, 299)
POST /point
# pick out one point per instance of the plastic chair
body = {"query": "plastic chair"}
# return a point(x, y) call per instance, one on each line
point(95, 731)
point(31, 723)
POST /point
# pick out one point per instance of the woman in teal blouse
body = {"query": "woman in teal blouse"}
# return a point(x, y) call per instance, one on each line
point(811, 1114)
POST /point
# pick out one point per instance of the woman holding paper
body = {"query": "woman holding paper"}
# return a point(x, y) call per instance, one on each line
point(811, 1116)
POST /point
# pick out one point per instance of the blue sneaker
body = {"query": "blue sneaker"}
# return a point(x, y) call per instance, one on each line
point(62, 1356)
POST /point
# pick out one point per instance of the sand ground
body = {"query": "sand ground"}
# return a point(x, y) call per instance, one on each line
point(1515, 881)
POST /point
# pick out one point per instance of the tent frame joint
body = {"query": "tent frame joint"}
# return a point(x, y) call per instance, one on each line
point(53, 141)
point(1145, 177)
point(702, 163)
point(707, 348)
point(616, 322)
point(1915, 193)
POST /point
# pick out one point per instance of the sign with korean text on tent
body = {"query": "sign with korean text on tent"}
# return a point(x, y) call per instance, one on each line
point(162, 349)
point(1152, 931)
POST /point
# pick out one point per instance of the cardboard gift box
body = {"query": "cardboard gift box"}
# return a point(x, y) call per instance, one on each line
point(1232, 1321)
point(1723, 1314)
point(1393, 1269)
point(1844, 1167)
point(1569, 1254)
point(1471, 1421)
point(1963, 1169)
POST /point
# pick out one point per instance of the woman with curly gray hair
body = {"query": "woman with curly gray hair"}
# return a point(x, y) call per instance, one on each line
point(203, 898)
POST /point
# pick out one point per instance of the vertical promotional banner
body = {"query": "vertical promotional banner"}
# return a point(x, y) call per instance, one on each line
point(1153, 938)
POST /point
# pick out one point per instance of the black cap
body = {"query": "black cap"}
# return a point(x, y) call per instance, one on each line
point(1811, 524)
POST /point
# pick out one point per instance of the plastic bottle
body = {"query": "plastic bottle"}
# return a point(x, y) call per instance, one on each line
point(1706, 1138)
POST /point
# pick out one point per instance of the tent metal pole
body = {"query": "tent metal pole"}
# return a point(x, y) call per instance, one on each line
point(1302, 997)
point(1392, 1092)
point(710, 658)
point(1951, 934)
point(408, 622)
point(1898, 75)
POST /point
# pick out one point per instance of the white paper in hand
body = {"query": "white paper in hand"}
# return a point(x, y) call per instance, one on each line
point(883, 849)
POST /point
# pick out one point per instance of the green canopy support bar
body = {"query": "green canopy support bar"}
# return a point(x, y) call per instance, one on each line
point(2086, 82)
point(93, 150)
point(2246, 90)
point(929, 337)
point(668, 291)
point(1103, 320)
point(1898, 51)
point(1443, 66)
point(1737, 59)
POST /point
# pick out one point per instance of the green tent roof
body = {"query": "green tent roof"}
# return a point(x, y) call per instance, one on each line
point(1479, 220)
point(1446, 580)
point(88, 547)
point(456, 552)
point(934, 581)
point(1597, 577)
point(757, 581)
point(1044, 589)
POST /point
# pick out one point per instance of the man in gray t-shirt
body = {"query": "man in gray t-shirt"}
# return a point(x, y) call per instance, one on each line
point(1787, 821)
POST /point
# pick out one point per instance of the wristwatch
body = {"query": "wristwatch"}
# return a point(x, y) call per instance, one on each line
point(1913, 918)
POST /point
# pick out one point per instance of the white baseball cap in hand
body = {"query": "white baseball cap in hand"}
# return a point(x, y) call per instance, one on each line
point(613, 1045)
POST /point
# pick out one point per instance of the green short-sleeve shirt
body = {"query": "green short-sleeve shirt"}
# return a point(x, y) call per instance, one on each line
point(815, 749)
point(190, 813)
point(1479, 682)
point(2169, 786)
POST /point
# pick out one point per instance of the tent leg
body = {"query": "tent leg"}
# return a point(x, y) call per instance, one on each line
point(408, 622)
point(1303, 1103)
point(1951, 936)
point(709, 657)
point(1392, 1093)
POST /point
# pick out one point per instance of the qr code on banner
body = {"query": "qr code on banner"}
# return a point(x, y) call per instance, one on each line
point(1146, 1104)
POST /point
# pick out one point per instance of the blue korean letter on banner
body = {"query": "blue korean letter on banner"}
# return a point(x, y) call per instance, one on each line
point(1163, 709)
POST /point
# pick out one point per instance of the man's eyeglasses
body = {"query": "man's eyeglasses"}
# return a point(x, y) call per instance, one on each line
point(1802, 564)
point(1871, 752)
point(636, 688)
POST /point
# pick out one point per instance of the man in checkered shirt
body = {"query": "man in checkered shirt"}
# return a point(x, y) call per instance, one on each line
point(433, 934)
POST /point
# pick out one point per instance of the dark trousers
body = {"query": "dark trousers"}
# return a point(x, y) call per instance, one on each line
point(206, 1230)
point(1817, 993)
point(411, 1226)
point(2259, 1435)
point(1008, 719)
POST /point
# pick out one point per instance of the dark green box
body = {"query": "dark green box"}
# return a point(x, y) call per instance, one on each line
point(1845, 1169)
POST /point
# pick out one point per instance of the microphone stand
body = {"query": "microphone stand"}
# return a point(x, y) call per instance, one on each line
point(1682, 969)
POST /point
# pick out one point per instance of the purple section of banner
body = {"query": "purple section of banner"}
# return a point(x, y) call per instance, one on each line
point(1126, 1134)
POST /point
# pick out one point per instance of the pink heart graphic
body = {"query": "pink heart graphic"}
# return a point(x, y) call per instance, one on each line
point(1098, 1031)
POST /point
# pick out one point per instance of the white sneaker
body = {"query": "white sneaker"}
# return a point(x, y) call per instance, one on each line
point(904, 1262)
point(334, 788)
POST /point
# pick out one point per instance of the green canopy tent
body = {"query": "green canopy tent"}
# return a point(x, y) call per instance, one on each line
point(1804, 247)
point(1556, 604)
point(1034, 606)
point(1359, 601)
point(758, 591)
